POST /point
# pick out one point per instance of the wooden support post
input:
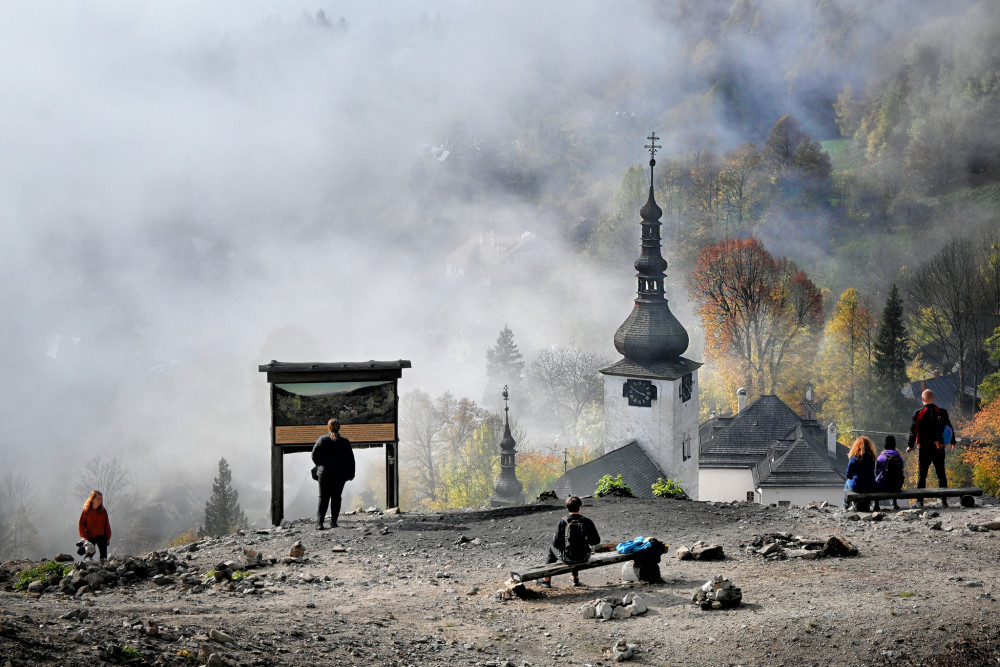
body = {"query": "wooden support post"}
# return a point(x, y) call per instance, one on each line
point(391, 474)
point(277, 485)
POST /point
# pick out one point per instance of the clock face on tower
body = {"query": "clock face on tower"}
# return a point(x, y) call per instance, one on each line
point(640, 393)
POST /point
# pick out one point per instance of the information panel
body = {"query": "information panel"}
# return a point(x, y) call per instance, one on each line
point(366, 410)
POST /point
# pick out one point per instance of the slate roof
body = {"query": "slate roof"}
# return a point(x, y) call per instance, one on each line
point(780, 448)
point(669, 369)
point(747, 438)
point(943, 387)
point(636, 468)
point(802, 462)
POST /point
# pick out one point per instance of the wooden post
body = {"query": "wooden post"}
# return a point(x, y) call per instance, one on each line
point(391, 474)
point(277, 485)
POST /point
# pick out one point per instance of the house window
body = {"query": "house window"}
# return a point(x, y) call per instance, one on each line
point(784, 503)
point(749, 496)
point(686, 448)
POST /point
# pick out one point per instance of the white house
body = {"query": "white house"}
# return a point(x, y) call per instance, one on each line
point(767, 453)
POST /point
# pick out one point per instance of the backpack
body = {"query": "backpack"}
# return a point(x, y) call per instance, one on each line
point(893, 479)
point(576, 548)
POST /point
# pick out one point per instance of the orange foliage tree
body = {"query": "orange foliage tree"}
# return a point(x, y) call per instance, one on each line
point(982, 431)
point(760, 309)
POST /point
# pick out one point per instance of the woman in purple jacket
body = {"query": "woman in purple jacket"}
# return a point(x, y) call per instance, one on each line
point(860, 468)
point(889, 469)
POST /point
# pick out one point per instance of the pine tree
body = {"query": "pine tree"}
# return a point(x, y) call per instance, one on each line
point(223, 514)
point(889, 358)
point(504, 363)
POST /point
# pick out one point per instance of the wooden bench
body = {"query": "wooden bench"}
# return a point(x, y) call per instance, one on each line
point(965, 494)
point(604, 554)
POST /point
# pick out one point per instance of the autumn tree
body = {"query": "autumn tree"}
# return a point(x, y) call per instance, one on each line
point(223, 514)
point(982, 453)
point(566, 381)
point(470, 473)
point(761, 310)
point(421, 421)
point(846, 359)
point(537, 470)
point(949, 294)
point(740, 191)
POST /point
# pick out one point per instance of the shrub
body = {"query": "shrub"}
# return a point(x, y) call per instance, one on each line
point(40, 572)
point(669, 488)
point(189, 537)
point(613, 486)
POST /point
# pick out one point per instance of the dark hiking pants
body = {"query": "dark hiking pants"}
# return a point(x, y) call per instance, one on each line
point(330, 491)
point(929, 455)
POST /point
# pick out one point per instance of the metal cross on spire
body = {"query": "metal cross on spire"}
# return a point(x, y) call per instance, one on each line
point(505, 397)
point(652, 147)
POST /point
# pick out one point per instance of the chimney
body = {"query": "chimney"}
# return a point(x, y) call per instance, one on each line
point(923, 385)
point(741, 400)
point(831, 440)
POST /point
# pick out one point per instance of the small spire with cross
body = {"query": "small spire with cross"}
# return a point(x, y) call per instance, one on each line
point(652, 147)
point(505, 397)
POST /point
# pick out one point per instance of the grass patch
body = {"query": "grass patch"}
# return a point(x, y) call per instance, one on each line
point(40, 572)
point(131, 652)
point(844, 155)
point(907, 594)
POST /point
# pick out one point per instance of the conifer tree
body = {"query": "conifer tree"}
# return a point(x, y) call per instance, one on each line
point(889, 358)
point(223, 514)
point(504, 363)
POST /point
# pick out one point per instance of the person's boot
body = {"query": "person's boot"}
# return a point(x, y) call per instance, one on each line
point(944, 502)
point(320, 526)
point(895, 505)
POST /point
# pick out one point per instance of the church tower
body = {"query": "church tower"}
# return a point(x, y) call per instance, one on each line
point(508, 487)
point(651, 394)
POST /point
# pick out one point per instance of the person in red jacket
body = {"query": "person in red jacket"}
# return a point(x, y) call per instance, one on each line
point(94, 524)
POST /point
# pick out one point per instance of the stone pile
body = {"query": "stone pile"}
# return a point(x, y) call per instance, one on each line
point(779, 546)
point(718, 593)
point(621, 651)
point(89, 576)
point(607, 608)
point(700, 551)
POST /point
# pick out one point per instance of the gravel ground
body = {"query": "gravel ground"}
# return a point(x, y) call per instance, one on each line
point(421, 589)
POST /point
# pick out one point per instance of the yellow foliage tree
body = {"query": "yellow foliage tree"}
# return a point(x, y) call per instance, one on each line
point(537, 471)
point(470, 473)
point(983, 452)
point(846, 358)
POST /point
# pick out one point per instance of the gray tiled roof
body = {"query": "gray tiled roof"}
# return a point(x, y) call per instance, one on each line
point(669, 369)
point(636, 468)
point(803, 462)
point(748, 437)
point(780, 448)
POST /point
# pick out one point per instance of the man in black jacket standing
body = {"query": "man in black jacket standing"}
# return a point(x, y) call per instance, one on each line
point(334, 458)
point(927, 434)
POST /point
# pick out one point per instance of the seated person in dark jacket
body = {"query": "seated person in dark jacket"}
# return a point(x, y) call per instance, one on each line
point(574, 537)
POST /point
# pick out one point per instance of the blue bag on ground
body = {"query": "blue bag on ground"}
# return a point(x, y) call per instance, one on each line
point(631, 546)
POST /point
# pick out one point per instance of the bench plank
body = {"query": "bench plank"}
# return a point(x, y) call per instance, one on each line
point(553, 569)
point(852, 496)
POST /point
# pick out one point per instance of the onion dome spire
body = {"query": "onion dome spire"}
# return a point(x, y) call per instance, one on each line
point(508, 488)
point(651, 332)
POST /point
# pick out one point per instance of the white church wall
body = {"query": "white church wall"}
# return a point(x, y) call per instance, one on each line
point(667, 430)
point(725, 485)
point(802, 496)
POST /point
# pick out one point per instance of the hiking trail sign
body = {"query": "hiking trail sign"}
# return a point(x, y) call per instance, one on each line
point(305, 396)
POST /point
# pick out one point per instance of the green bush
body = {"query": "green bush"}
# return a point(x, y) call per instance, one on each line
point(669, 488)
point(40, 572)
point(613, 486)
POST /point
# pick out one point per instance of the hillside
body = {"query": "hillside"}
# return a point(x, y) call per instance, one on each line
point(420, 589)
